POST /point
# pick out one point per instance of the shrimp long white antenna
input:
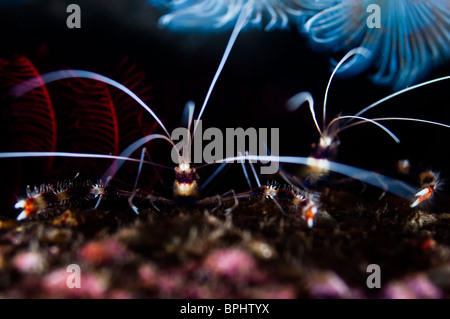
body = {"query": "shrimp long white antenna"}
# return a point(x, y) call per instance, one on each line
point(190, 107)
point(115, 166)
point(46, 78)
point(67, 154)
point(412, 120)
point(241, 22)
point(399, 119)
point(363, 120)
point(360, 50)
point(297, 100)
point(394, 186)
point(371, 106)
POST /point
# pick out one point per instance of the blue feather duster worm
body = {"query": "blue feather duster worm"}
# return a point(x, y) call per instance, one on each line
point(413, 37)
point(221, 15)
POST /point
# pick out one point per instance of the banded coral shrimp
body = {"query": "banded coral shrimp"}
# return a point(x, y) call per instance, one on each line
point(59, 193)
point(329, 142)
point(186, 179)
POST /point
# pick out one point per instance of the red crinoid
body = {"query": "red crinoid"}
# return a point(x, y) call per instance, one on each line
point(27, 124)
point(100, 119)
point(30, 120)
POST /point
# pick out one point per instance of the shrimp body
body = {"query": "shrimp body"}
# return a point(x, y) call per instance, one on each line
point(430, 182)
point(46, 196)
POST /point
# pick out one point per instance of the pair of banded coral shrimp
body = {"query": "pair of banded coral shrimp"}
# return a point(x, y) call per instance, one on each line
point(186, 180)
point(186, 183)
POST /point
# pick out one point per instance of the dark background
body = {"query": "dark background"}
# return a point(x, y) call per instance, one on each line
point(262, 72)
